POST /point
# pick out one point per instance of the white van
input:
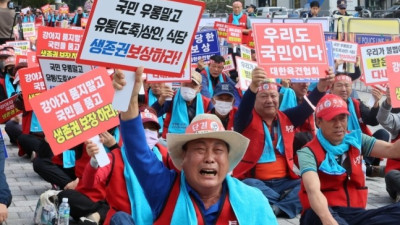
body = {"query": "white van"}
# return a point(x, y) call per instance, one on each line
point(266, 12)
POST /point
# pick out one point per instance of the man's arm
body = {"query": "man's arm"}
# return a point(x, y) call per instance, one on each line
point(383, 149)
point(317, 200)
point(388, 120)
point(369, 115)
point(153, 176)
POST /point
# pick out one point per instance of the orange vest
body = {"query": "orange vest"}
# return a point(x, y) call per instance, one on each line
point(119, 200)
point(255, 132)
point(346, 190)
point(225, 215)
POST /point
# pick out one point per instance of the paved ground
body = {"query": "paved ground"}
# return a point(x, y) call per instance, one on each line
point(26, 186)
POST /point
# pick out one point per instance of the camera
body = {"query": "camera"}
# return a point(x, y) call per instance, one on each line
point(12, 5)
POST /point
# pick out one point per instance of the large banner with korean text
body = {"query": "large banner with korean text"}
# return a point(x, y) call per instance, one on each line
point(374, 62)
point(77, 110)
point(291, 50)
point(157, 35)
point(58, 71)
point(8, 109)
point(58, 42)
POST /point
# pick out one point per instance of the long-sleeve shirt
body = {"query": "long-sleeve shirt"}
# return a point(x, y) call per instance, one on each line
point(5, 193)
point(368, 115)
point(244, 114)
point(390, 121)
point(156, 180)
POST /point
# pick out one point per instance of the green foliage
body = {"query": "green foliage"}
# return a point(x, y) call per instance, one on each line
point(35, 3)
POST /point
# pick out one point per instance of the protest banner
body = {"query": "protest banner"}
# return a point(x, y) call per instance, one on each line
point(393, 74)
point(46, 8)
point(291, 50)
point(244, 68)
point(77, 110)
point(58, 42)
point(371, 38)
point(58, 71)
point(330, 36)
point(159, 39)
point(229, 65)
point(32, 59)
point(8, 110)
point(32, 84)
point(18, 51)
point(345, 51)
point(234, 35)
point(222, 29)
point(245, 52)
point(28, 29)
point(373, 60)
point(205, 45)
point(23, 45)
point(249, 40)
point(63, 10)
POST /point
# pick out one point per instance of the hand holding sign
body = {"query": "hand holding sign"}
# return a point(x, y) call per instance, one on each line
point(325, 83)
point(97, 149)
point(257, 76)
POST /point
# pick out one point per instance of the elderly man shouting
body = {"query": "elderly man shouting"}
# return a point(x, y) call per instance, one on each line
point(202, 192)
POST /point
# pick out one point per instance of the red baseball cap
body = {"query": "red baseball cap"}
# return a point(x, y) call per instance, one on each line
point(148, 115)
point(330, 106)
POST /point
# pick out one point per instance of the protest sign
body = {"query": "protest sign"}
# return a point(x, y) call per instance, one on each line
point(84, 22)
point(393, 74)
point(21, 59)
point(330, 36)
point(205, 45)
point(291, 50)
point(374, 62)
point(8, 110)
point(23, 45)
point(32, 84)
point(157, 35)
point(58, 71)
point(249, 40)
point(77, 110)
point(234, 35)
point(58, 42)
point(345, 51)
point(244, 68)
point(229, 65)
point(222, 29)
point(32, 59)
point(245, 52)
point(63, 10)
point(28, 29)
point(46, 8)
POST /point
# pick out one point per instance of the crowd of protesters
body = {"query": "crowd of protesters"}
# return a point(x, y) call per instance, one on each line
point(211, 153)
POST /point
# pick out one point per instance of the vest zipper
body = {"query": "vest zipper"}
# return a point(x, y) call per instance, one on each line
point(345, 189)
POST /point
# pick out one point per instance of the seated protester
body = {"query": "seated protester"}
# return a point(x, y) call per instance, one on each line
point(269, 160)
point(118, 175)
point(391, 122)
point(185, 105)
point(342, 67)
point(223, 101)
point(152, 95)
point(360, 114)
point(333, 187)
point(5, 193)
point(212, 75)
point(65, 170)
point(87, 203)
point(203, 193)
point(301, 91)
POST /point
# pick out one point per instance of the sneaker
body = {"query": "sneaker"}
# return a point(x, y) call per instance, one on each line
point(86, 221)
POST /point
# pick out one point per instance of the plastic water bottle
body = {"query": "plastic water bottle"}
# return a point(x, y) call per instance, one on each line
point(63, 212)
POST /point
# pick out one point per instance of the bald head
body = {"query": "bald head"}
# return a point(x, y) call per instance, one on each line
point(237, 7)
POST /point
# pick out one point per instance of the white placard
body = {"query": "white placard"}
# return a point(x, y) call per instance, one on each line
point(245, 68)
point(345, 51)
point(57, 71)
point(101, 157)
point(122, 97)
point(160, 42)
